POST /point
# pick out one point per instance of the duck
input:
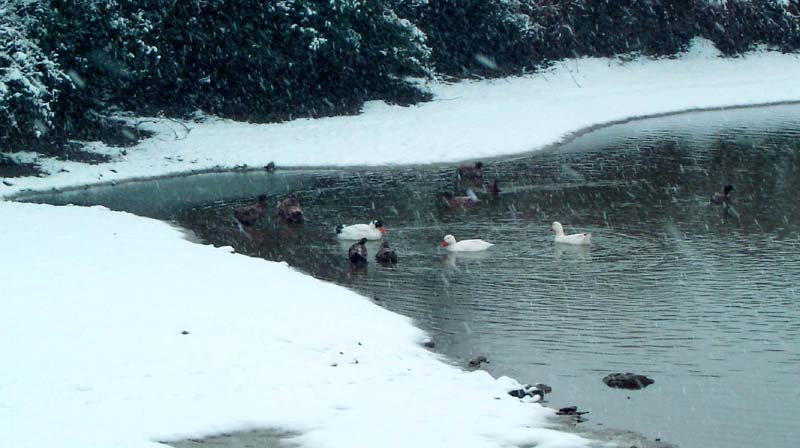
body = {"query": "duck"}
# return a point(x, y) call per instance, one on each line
point(452, 245)
point(493, 188)
point(578, 239)
point(385, 254)
point(466, 172)
point(248, 215)
point(289, 209)
point(372, 231)
point(358, 253)
point(723, 198)
point(461, 201)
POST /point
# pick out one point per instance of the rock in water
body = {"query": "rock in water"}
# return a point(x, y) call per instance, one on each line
point(627, 381)
point(476, 362)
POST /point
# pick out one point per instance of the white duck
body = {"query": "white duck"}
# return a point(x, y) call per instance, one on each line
point(578, 239)
point(452, 245)
point(372, 231)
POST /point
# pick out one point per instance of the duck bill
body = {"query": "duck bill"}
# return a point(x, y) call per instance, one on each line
point(383, 231)
point(550, 229)
point(443, 244)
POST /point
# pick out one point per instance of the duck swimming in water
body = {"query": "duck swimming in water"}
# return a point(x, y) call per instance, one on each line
point(723, 198)
point(452, 245)
point(372, 231)
point(578, 239)
point(461, 201)
point(493, 188)
point(473, 173)
point(248, 215)
point(358, 253)
point(289, 209)
point(385, 254)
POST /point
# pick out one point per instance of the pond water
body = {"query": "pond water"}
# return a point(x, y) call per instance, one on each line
point(705, 302)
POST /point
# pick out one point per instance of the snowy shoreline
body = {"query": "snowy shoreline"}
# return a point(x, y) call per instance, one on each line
point(31, 193)
point(96, 354)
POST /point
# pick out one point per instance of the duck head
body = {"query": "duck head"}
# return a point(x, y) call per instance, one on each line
point(727, 189)
point(557, 227)
point(448, 240)
point(363, 241)
point(377, 224)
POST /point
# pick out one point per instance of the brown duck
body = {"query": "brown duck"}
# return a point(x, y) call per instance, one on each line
point(475, 172)
point(723, 198)
point(249, 214)
point(358, 253)
point(289, 209)
point(493, 188)
point(461, 201)
point(385, 254)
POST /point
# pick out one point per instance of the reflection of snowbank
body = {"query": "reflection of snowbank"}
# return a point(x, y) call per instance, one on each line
point(92, 317)
point(465, 120)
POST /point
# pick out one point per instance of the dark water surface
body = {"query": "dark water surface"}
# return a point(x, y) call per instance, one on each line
point(704, 302)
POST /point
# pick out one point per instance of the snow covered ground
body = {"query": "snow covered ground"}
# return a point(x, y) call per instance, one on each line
point(94, 303)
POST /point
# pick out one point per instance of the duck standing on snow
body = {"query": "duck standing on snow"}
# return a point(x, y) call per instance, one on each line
point(452, 245)
point(385, 254)
point(461, 201)
point(289, 209)
point(358, 253)
point(723, 198)
point(249, 214)
point(473, 173)
point(372, 231)
point(578, 239)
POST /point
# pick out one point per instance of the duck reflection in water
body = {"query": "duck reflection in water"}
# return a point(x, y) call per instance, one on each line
point(451, 260)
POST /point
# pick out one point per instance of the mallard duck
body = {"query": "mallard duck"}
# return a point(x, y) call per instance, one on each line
point(249, 214)
point(723, 198)
point(289, 209)
point(466, 172)
point(461, 201)
point(385, 254)
point(358, 253)
point(493, 188)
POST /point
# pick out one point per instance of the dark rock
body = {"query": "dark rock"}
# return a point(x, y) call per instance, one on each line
point(429, 344)
point(627, 381)
point(476, 362)
point(571, 410)
point(7, 183)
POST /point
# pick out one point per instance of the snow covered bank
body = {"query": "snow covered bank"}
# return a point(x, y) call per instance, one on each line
point(93, 310)
point(467, 120)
